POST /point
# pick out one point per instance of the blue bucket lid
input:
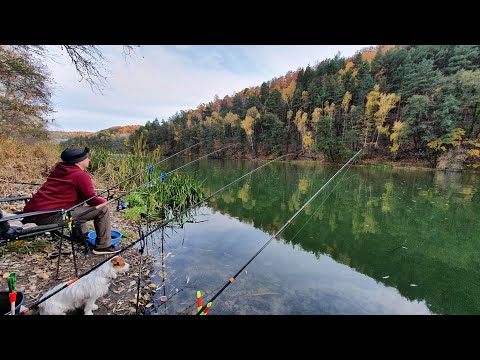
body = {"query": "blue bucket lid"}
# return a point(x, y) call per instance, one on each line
point(116, 236)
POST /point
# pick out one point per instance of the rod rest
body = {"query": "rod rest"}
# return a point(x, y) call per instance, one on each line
point(12, 233)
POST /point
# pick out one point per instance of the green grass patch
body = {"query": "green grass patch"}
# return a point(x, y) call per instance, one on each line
point(24, 247)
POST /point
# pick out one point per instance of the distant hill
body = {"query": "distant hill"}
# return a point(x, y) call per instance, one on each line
point(114, 131)
point(121, 131)
point(59, 136)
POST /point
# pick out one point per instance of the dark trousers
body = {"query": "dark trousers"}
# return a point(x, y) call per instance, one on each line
point(101, 220)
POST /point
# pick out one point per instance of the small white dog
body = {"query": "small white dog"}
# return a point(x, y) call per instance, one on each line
point(85, 291)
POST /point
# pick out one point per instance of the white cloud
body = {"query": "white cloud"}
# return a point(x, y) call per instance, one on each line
point(163, 80)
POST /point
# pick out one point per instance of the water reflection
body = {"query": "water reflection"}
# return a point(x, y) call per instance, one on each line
point(382, 242)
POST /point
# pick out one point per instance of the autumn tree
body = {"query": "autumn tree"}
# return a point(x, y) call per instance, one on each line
point(26, 84)
point(89, 60)
point(25, 94)
point(248, 124)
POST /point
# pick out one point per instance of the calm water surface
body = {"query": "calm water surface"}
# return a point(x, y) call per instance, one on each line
point(375, 241)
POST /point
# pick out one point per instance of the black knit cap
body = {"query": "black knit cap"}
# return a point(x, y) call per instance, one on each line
point(74, 155)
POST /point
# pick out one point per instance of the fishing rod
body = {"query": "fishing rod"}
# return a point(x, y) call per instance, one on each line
point(148, 183)
point(232, 279)
point(14, 217)
point(18, 182)
point(132, 176)
point(102, 191)
point(150, 233)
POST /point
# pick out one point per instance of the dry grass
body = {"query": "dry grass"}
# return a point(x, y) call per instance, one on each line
point(28, 163)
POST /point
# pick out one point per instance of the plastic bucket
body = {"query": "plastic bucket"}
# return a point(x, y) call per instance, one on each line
point(116, 236)
point(5, 302)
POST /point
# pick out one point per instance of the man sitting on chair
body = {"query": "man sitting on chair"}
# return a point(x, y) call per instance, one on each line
point(66, 186)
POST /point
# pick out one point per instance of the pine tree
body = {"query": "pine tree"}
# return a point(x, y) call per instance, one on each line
point(463, 58)
point(276, 105)
point(264, 92)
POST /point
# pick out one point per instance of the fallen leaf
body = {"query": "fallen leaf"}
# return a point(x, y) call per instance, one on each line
point(148, 305)
point(153, 286)
point(43, 275)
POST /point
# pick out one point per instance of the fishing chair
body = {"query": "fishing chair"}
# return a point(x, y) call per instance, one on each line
point(11, 231)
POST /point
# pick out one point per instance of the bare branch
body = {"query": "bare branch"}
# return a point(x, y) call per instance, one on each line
point(89, 61)
point(25, 82)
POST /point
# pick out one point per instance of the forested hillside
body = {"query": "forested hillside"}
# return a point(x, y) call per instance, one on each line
point(403, 102)
point(115, 138)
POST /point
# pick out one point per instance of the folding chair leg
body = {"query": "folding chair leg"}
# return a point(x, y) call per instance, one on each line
point(59, 254)
point(74, 258)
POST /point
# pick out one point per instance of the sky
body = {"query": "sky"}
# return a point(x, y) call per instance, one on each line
point(161, 80)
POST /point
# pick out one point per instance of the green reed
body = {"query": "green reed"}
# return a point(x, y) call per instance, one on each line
point(157, 200)
point(113, 168)
point(163, 200)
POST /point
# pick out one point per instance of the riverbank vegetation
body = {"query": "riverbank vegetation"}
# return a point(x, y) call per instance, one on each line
point(404, 104)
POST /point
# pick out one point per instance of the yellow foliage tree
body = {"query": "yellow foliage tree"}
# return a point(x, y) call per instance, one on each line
point(308, 140)
point(305, 99)
point(346, 101)
point(454, 138)
point(372, 101)
point(386, 102)
point(289, 115)
point(316, 115)
point(399, 129)
point(288, 92)
point(232, 119)
point(253, 112)
point(329, 109)
point(298, 118)
point(376, 111)
point(248, 125)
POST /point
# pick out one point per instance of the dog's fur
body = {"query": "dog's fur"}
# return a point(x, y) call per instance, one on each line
point(85, 291)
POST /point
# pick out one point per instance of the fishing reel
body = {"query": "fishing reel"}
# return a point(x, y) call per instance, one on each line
point(122, 205)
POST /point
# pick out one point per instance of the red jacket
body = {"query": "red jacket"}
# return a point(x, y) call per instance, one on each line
point(65, 187)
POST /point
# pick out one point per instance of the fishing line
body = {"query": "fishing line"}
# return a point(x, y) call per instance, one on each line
point(311, 216)
point(14, 217)
point(135, 175)
point(150, 182)
point(19, 216)
point(232, 279)
point(25, 311)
